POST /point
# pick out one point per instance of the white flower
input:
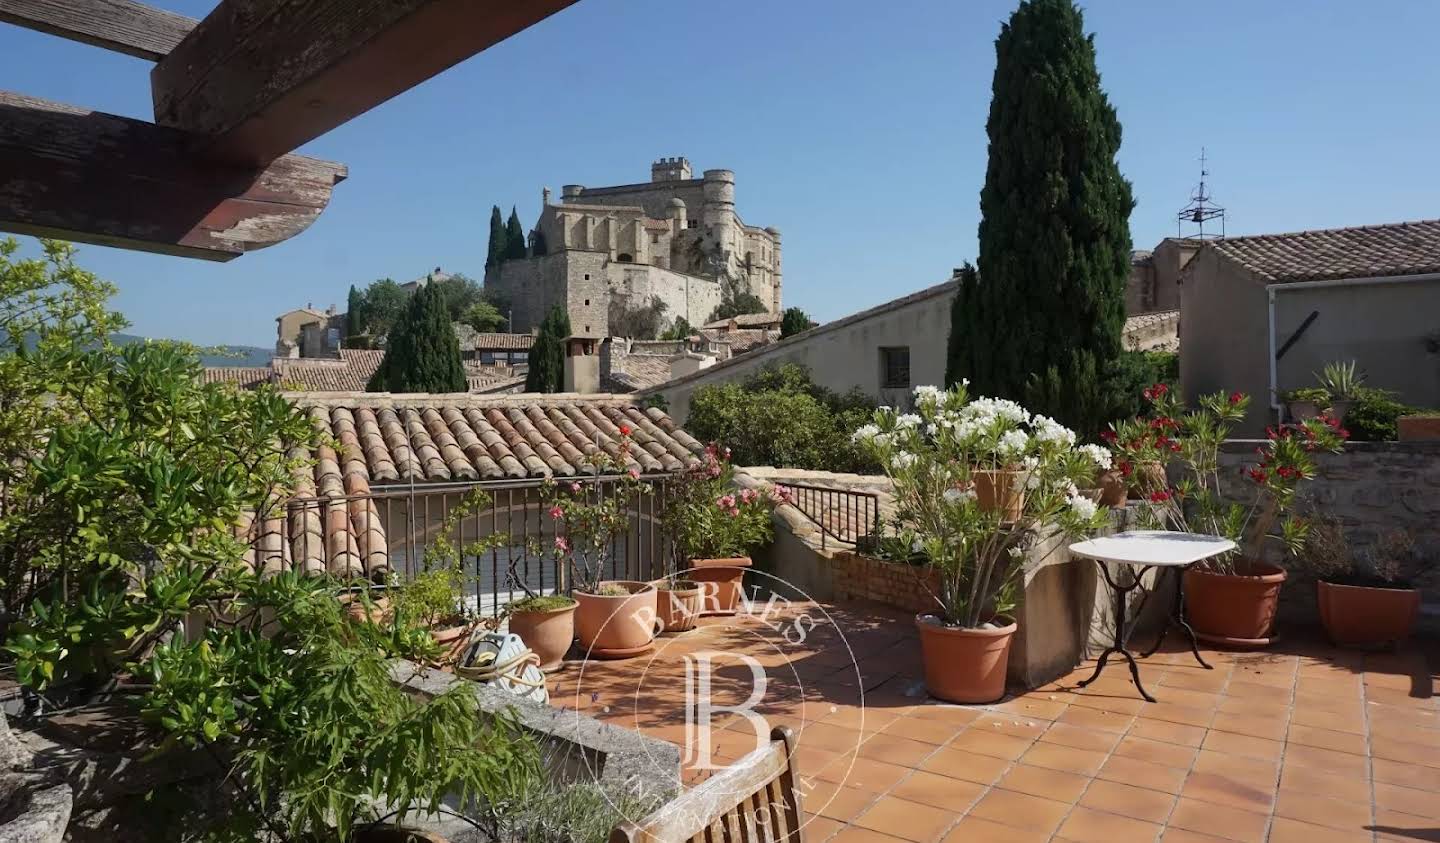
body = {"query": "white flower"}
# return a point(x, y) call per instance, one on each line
point(866, 433)
point(1082, 506)
point(928, 396)
point(1013, 443)
point(902, 460)
point(958, 495)
point(1099, 455)
point(1049, 430)
point(908, 420)
point(1032, 480)
point(882, 439)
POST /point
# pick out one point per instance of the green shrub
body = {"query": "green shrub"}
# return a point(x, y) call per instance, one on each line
point(778, 416)
point(1373, 415)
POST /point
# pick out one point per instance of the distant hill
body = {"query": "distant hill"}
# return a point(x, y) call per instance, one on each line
point(224, 355)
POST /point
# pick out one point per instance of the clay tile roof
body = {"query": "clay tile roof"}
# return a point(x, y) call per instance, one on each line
point(472, 340)
point(747, 320)
point(743, 339)
point(636, 372)
point(656, 225)
point(1373, 251)
point(351, 373)
point(247, 377)
point(387, 438)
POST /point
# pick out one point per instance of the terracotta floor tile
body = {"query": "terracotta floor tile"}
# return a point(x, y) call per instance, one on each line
point(1126, 701)
point(1397, 827)
point(1256, 707)
point(1021, 810)
point(963, 764)
point(1306, 780)
point(833, 738)
point(855, 834)
point(1318, 702)
point(1335, 763)
point(1332, 813)
point(864, 773)
point(1156, 752)
point(987, 743)
point(1067, 759)
point(1033, 705)
point(1410, 775)
point(975, 829)
point(1244, 746)
point(1196, 679)
point(1180, 835)
point(1066, 734)
point(1168, 731)
point(1187, 697)
point(1403, 750)
point(999, 723)
point(1218, 820)
point(894, 749)
point(866, 719)
point(1040, 781)
point(1223, 790)
point(1142, 774)
point(1270, 728)
point(1128, 801)
point(955, 715)
point(1088, 826)
point(1172, 713)
point(1355, 724)
point(1094, 718)
point(1326, 739)
point(919, 729)
point(937, 791)
point(819, 828)
point(1256, 771)
point(1406, 800)
point(837, 802)
point(907, 820)
point(1285, 830)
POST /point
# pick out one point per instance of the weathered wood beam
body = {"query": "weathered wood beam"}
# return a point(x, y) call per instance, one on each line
point(81, 175)
point(120, 25)
point(262, 77)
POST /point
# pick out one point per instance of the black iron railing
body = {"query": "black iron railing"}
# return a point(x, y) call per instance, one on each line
point(844, 515)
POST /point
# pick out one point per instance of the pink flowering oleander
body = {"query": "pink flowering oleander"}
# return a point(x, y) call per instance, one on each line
point(575, 487)
point(726, 502)
point(634, 473)
point(561, 544)
point(747, 495)
point(556, 512)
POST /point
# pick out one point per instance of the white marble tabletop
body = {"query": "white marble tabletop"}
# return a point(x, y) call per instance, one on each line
point(1156, 548)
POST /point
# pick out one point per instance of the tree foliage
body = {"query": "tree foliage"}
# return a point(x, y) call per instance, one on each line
point(546, 371)
point(636, 321)
point(1042, 319)
point(680, 329)
point(355, 311)
point(483, 317)
point(498, 239)
point(382, 303)
point(514, 237)
point(793, 321)
point(736, 299)
point(779, 416)
point(422, 353)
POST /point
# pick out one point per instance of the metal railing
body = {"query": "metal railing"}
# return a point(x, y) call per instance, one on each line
point(844, 515)
point(386, 533)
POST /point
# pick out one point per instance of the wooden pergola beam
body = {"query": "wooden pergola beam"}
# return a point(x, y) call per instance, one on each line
point(81, 175)
point(120, 25)
point(263, 78)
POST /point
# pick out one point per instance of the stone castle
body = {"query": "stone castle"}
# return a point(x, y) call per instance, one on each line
point(674, 237)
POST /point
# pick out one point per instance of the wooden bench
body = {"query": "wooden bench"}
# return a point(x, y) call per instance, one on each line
point(755, 800)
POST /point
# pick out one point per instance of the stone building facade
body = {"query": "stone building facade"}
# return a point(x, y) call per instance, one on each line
point(673, 237)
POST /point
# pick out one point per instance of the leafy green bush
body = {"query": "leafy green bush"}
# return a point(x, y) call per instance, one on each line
point(778, 416)
point(1373, 415)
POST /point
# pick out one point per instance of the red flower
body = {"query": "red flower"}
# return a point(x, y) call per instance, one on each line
point(1160, 496)
point(1108, 436)
point(1125, 468)
point(624, 430)
point(1287, 472)
point(1258, 475)
point(1237, 397)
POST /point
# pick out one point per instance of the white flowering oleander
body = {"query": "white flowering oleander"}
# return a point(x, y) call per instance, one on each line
point(902, 460)
point(1049, 430)
point(1099, 455)
point(1012, 443)
point(929, 396)
point(1082, 506)
point(958, 495)
point(866, 433)
point(907, 421)
point(881, 440)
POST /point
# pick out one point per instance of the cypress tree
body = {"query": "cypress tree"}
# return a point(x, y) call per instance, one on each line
point(514, 236)
point(355, 312)
point(793, 321)
point(1047, 307)
point(498, 239)
point(547, 356)
point(422, 353)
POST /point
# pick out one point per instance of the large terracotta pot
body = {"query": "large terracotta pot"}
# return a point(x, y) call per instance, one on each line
point(1234, 609)
point(617, 626)
point(721, 582)
point(1000, 491)
point(1417, 428)
point(1362, 616)
point(1112, 489)
point(548, 634)
point(452, 639)
point(1147, 478)
point(964, 665)
point(679, 607)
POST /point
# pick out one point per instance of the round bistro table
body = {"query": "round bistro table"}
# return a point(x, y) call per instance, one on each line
point(1142, 550)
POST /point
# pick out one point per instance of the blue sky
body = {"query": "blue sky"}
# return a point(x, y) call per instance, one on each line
point(857, 129)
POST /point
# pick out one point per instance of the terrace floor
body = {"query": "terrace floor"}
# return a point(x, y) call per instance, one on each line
point(1302, 742)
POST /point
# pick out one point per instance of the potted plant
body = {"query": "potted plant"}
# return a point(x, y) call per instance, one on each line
point(1306, 403)
point(932, 457)
point(713, 526)
point(1366, 598)
point(545, 622)
point(1343, 384)
point(613, 618)
point(1142, 447)
point(1233, 599)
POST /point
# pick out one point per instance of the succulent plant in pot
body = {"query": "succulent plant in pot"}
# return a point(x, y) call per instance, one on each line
point(1366, 597)
point(1344, 384)
point(934, 457)
point(1233, 599)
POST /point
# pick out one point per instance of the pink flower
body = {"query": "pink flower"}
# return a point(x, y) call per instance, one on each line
point(734, 512)
point(557, 513)
point(634, 473)
point(575, 487)
point(747, 495)
point(561, 544)
point(726, 502)
point(714, 470)
point(779, 494)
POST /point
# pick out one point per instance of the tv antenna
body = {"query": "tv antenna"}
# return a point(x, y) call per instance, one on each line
point(1200, 211)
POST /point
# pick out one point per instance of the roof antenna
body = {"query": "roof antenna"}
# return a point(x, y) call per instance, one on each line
point(1200, 211)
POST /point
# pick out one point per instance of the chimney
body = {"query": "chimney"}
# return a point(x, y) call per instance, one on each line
point(582, 365)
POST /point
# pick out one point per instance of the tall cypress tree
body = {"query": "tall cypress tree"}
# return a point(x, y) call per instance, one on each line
point(422, 353)
point(355, 312)
point(498, 239)
point(546, 372)
point(1048, 305)
point(514, 236)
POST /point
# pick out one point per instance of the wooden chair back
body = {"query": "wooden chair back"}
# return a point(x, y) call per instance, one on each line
point(755, 800)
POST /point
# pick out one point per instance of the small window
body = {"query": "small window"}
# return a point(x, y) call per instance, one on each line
point(587, 276)
point(692, 224)
point(487, 357)
point(625, 257)
point(517, 357)
point(895, 368)
point(587, 301)
point(654, 238)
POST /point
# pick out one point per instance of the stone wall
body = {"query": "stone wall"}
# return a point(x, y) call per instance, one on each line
point(1371, 488)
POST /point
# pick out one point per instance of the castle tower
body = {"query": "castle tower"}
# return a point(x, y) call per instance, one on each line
point(717, 215)
point(670, 169)
point(774, 297)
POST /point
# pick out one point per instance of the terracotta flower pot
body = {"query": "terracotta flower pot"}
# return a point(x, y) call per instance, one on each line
point(721, 581)
point(1000, 491)
point(452, 640)
point(964, 665)
point(1234, 609)
point(1112, 489)
point(1357, 615)
point(1302, 410)
point(548, 634)
point(1417, 428)
point(1146, 478)
point(618, 626)
point(679, 607)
